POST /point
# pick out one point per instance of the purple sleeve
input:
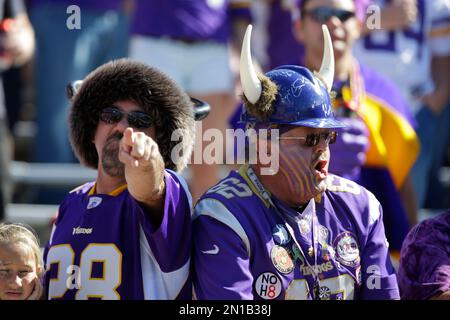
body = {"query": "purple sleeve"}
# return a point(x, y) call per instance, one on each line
point(221, 262)
point(379, 281)
point(170, 242)
point(425, 260)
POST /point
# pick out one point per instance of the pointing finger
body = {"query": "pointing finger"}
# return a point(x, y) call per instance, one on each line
point(128, 137)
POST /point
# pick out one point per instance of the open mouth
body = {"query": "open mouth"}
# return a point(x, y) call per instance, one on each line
point(320, 170)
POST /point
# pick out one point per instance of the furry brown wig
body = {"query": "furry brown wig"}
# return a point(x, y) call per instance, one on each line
point(155, 92)
point(263, 108)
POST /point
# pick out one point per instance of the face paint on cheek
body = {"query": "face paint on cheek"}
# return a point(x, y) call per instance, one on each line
point(301, 180)
point(300, 185)
point(310, 178)
point(295, 183)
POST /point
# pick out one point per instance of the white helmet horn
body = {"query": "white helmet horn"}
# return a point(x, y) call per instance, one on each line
point(251, 85)
point(327, 67)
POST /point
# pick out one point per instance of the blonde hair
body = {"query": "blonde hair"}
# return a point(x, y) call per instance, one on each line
point(12, 233)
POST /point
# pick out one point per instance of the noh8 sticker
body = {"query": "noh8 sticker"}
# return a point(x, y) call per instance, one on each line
point(268, 286)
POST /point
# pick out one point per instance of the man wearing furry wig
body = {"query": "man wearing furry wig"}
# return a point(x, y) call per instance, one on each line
point(127, 234)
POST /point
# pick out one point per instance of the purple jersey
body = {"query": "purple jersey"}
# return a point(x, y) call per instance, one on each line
point(104, 246)
point(247, 248)
point(425, 259)
point(199, 20)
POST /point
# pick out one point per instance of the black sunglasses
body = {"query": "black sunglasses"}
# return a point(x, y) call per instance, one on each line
point(136, 119)
point(323, 14)
point(313, 139)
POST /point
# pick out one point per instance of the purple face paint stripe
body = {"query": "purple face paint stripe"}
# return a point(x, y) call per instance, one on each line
point(303, 181)
point(300, 181)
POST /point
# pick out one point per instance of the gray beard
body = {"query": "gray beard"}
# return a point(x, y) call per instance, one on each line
point(110, 159)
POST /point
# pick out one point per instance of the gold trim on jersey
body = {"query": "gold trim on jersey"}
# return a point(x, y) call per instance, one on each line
point(113, 193)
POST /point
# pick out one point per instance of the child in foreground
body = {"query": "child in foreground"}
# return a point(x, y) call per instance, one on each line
point(20, 263)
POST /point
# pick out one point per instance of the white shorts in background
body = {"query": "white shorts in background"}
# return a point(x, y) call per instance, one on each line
point(199, 67)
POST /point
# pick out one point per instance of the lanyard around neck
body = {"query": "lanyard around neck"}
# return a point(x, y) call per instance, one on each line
point(266, 196)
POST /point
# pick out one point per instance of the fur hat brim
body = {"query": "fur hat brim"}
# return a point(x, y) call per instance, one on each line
point(152, 90)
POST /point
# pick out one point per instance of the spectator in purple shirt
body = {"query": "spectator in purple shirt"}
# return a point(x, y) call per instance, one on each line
point(126, 235)
point(292, 231)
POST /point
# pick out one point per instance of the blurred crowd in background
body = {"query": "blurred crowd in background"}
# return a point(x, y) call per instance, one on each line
point(47, 44)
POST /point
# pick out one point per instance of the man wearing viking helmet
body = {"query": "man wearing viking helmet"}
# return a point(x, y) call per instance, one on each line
point(237, 251)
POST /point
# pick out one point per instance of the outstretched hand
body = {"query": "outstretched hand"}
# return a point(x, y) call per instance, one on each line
point(144, 169)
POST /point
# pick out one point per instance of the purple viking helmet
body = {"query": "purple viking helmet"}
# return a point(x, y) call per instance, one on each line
point(289, 94)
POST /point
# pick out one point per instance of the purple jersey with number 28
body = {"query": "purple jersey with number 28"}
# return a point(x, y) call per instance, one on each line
point(244, 246)
point(105, 246)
